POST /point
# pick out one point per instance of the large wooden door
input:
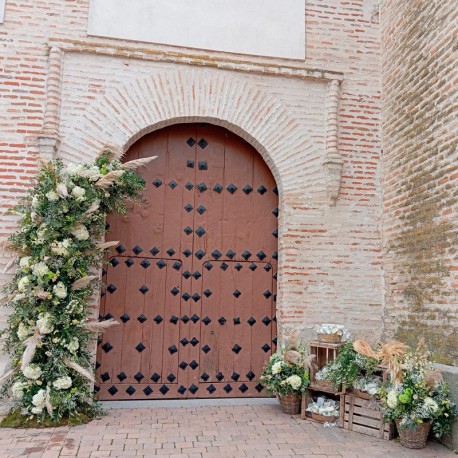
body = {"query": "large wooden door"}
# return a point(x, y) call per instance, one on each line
point(193, 280)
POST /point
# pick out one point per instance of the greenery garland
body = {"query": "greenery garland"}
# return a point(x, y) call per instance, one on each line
point(62, 220)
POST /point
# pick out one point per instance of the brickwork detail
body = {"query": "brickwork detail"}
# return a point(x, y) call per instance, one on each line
point(333, 162)
point(420, 177)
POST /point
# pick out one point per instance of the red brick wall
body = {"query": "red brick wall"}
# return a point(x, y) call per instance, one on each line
point(331, 261)
point(420, 172)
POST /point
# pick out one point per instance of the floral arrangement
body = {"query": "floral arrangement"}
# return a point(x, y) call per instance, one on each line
point(322, 375)
point(370, 384)
point(324, 406)
point(349, 365)
point(287, 372)
point(330, 329)
point(419, 395)
point(62, 223)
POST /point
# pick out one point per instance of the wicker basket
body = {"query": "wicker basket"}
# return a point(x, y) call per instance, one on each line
point(323, 418)
point(290, 404)
point(414, 437)
point(330, 338)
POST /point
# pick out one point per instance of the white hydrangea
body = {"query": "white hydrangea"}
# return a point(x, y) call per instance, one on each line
point(52, 196)
point(60, 290)
point(294, 381)
point(276, 368)
point(23, 284)
point(40, 269)
point(73, 169)
point(44, 323)
point(24, 263)
point(78, 193)
point(18, 390)
point(80, 232)
point(32, 371)
point(430, 405)
point(62, 383)
point(39, 401)
point(392, 399)
point(92, 173)
point(73, 345)
point(22, 331)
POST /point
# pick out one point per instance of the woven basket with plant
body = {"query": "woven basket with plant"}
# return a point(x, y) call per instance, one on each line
point(286, 375)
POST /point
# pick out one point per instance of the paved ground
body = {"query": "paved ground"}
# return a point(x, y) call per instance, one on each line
point(202, 432)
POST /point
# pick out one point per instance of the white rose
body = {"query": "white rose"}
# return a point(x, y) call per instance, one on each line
point(80, 232)
point(22, 331)
point(52, 196)
point(24, 263)
point(62, 383)
point(60, 290)
point(18, 390)
point(40, 269)
point(23, 284)
point(78, 193)
point(44, 323)
point(61, 190)
point(32, 372)
point(36, 410)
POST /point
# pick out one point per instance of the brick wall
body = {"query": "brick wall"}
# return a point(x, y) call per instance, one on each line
point(420, 172)
point(330, 257)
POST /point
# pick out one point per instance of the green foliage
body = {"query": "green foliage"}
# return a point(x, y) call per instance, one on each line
point(349, 365)
point(419, 398)
point(62, 219)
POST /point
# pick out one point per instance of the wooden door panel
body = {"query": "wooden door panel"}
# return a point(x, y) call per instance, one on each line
point(208, 234)
point(143, 296)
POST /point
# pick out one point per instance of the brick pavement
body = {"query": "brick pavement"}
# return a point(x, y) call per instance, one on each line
point(203, 432)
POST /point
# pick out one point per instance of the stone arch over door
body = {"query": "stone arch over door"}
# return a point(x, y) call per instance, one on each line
point(193, 280)
point(126, 113)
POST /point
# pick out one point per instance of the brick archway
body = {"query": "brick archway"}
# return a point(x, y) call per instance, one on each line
point(124, 114)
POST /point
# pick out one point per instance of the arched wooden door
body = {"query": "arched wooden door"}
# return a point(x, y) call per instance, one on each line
point(193, 280)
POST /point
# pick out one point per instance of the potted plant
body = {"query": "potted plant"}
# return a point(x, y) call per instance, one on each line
point(418, 400)
point(286, 375)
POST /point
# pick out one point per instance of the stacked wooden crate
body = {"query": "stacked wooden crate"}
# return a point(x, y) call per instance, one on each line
point(358, 411)
point(324, 353)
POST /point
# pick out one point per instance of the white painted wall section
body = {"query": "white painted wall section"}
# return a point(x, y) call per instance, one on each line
point(273, 28)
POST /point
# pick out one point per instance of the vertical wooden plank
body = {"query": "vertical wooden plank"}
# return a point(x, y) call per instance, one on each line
point(179, 235)
point(113, 304)
point(133, 329)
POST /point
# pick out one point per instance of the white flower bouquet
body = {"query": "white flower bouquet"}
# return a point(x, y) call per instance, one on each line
point(324, 409)
point(330, 332)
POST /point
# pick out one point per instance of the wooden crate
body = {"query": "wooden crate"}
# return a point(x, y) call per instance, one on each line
point(325, 353)
point(363, 416)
